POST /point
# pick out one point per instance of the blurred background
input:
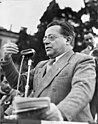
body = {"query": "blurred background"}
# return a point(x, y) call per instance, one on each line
point(24, 22)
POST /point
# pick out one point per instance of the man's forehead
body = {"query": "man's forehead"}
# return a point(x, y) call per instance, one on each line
point(55, 28)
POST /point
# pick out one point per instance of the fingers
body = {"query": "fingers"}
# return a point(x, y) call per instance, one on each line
point(9, 49)
point(52, 113)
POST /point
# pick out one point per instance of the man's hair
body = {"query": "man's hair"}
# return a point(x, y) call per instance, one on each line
point(66, 29)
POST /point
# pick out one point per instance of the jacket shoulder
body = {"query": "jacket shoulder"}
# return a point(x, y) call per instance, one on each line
point(83, 56)
point(80, 57)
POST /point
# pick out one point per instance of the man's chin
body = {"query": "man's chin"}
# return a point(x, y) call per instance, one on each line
point(49, 54)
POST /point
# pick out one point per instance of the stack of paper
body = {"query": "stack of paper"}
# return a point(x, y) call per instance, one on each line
point(23, 104)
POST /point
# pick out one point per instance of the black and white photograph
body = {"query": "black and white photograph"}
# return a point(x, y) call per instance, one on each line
point(49, 61)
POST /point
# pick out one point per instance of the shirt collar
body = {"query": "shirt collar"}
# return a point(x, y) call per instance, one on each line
point(58, 57)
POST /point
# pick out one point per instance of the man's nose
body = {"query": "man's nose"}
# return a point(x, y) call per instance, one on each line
point(46, 41)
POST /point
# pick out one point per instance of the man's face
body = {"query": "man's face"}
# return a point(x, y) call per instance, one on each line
point(89, 39)
point(54, 41)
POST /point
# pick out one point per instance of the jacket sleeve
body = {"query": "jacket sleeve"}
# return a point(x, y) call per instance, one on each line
point(12, 75)
point(82, 90)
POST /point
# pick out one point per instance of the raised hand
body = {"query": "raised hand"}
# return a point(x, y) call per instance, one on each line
point(8, 49)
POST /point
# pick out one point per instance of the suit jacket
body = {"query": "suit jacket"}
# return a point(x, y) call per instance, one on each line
point(94, 101)
point(70, 84)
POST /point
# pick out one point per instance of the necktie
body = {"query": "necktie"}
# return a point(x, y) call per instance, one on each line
point(50, 63)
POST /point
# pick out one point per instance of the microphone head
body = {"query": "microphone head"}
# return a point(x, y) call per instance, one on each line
point(28, 52)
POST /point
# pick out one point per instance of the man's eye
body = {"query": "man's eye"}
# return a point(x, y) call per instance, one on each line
point(51, 37)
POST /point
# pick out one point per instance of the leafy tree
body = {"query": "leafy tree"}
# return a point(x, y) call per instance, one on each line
point(52, 12)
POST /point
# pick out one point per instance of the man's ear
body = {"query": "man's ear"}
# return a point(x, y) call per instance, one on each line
point(69, 40)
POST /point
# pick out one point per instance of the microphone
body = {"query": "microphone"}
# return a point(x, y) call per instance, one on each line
point(28, 52)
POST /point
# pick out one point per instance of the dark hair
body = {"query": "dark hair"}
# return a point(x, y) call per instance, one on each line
point(66, 28)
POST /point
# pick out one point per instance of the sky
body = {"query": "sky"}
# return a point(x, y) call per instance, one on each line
point(15, 14)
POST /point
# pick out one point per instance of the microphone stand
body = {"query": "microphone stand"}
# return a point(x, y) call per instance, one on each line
point(24, 53)
point(28, 76)
point(19, 74)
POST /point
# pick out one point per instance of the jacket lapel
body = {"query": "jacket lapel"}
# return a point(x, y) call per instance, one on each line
point(44, 81)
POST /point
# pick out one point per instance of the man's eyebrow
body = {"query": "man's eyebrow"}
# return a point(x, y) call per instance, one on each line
point(50, 34)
